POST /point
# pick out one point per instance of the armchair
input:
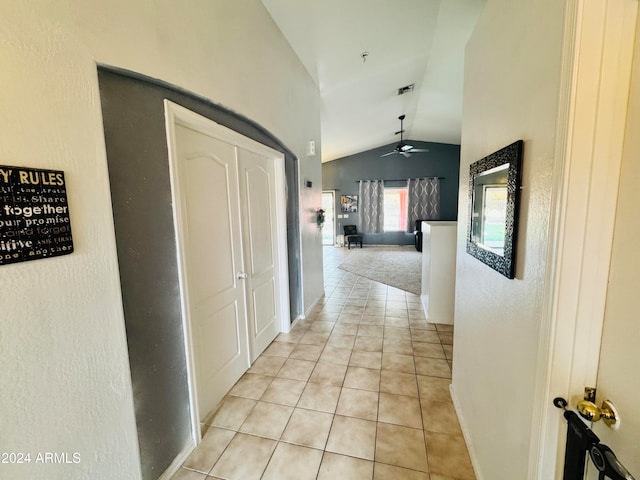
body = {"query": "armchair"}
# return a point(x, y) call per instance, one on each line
point(351, 235)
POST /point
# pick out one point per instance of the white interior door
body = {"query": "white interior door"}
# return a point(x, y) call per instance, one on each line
point(230, 218)
point(618, 372)
point(328, 229)
point(209, 227)
point(258, 200)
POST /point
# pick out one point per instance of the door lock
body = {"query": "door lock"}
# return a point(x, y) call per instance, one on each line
point(607, 412)
point(242, 276)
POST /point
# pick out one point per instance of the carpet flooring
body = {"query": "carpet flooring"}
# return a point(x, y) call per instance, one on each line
point(397, 266)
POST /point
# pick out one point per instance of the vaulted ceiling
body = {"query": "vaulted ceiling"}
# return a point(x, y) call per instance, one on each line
point(405, 42)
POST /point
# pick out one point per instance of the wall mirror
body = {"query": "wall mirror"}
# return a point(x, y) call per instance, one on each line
point(494, 198)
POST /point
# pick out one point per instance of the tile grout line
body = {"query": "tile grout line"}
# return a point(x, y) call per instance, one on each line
point(350, 304)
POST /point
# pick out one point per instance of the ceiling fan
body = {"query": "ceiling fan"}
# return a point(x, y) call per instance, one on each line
point(403, 148)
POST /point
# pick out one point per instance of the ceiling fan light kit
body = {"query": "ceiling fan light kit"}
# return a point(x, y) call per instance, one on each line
point(402, 148)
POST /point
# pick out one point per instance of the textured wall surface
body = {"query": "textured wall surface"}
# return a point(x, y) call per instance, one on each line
point(512, 73)
point(65, 384)
point(135, 134)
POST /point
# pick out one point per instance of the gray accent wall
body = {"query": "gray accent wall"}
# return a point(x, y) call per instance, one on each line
point(134, 126)
point(442, 160)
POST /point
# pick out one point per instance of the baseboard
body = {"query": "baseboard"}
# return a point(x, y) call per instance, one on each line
point(465, 433)
point(423, 300)
point(311, 307)
point(178, 461)
point(306, 313)
point(448, 320)
point(388, 245)
point(440, 320)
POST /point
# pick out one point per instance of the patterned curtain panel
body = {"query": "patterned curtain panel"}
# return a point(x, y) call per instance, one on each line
point(371, 212)
point(424, 200)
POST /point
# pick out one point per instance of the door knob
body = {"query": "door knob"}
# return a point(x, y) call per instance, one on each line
point(607, 412)
point(242, 276)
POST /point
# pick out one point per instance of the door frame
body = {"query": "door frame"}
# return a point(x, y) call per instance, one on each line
point(335, 231)
point(178, 115)
point(594, 92)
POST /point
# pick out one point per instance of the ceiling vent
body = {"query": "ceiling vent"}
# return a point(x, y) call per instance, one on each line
point(407, 89)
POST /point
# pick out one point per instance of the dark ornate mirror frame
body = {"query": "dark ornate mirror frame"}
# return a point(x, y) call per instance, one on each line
point(512, 155)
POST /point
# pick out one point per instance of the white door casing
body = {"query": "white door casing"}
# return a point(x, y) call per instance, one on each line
point(599, 38)
point(213, 178)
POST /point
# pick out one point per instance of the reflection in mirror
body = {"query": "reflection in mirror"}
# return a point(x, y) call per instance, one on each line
point(494, 186)
point(490, 209)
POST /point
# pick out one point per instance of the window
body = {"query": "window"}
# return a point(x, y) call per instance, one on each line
point(495, 217)
point(395, 209)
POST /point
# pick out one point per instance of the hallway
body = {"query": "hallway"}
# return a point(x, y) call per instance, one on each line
point(359, 390)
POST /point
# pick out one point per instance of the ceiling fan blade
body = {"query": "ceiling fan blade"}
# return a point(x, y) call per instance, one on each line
point(403, 148)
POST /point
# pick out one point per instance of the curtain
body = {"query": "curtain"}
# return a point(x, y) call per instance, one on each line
point(424, 200)
point(371, 211)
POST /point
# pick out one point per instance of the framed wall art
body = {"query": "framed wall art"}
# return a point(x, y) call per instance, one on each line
point(349, 203)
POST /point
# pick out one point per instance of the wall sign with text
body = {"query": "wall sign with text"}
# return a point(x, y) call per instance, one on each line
point(34, 215)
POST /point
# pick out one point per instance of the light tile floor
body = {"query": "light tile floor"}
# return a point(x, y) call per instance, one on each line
point(359, 390)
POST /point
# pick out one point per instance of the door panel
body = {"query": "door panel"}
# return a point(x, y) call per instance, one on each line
point(257, 192)
point(206, 181)
point(223, 324)
point(207, 174)
point(260, 223)
point(264, 305)
point(618, 374)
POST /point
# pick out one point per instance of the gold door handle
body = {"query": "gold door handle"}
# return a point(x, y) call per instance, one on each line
point(607, 412)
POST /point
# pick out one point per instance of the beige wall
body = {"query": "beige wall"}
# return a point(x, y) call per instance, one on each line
point(512, 74)
point(65, 384)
